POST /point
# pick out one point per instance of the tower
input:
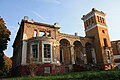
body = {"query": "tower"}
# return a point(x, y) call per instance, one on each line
point(96, 28)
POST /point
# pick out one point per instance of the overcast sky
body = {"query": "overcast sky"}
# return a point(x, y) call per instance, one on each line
point(67, 13)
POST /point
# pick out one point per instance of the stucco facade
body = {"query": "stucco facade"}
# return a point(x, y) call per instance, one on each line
point(46, 46)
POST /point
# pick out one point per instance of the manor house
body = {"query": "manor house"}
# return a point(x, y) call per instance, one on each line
point(55, 52)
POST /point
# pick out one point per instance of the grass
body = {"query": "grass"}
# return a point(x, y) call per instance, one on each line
point(88, 75)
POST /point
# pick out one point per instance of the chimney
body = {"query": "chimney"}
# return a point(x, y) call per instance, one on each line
point(76, 34)
point(25, 17)
point(56, 25)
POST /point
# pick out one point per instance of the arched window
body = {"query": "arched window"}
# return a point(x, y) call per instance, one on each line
point(98, 18)
point(92, 20)
point(65, 52)
point(78, 52)
point(103, 20)
point(105, 42)
point(90, 53)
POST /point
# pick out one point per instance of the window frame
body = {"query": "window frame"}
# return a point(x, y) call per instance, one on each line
point(46, 60)
point(31, 53)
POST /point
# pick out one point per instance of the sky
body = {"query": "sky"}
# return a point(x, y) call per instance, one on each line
point(67, 13)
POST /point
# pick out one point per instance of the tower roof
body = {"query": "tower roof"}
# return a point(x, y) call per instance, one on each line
point(93, 12)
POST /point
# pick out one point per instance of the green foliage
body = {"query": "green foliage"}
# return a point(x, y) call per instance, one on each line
point(88, 75)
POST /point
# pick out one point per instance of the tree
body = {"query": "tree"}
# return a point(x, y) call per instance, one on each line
point(7, 65)
point(4, 36)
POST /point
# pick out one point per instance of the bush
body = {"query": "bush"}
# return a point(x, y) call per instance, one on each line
point(88, 75)
point(6, 66)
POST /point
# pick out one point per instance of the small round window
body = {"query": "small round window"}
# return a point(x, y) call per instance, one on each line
point(103, 31)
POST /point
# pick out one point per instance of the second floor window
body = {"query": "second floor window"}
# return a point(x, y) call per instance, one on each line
point(41, 33)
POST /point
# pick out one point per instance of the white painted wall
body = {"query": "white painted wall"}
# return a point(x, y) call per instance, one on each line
point(24, 51)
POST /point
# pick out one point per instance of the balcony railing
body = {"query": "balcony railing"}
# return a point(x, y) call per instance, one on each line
point(47, 60)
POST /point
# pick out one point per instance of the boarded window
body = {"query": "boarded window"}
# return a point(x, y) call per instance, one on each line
point(47, 70)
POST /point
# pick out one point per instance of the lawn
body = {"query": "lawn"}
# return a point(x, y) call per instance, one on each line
point(88, 75)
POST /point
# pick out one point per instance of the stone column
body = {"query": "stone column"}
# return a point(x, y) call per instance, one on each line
point(72, 54)
point(93, 55)
point(84, 55)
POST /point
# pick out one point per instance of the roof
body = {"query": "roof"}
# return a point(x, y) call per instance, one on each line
point(42, 24)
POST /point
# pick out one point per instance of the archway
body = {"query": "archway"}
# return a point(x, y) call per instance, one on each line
point(90, 53)
point(65, 52)
point(78, 52)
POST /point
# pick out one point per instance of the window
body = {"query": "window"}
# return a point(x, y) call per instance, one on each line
point(117, 60)
point(41, 33)
point(105, 42)
point(61, 56)
point(92, 20)
point(35, 51)
point(103, 20)
point(87, 23)
point(47, 50)
point(44, 33)
point(103, 31)
point(98, 18)
point(47, 70)
point(48, 34)
point(108, 55)
point(118, 48)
